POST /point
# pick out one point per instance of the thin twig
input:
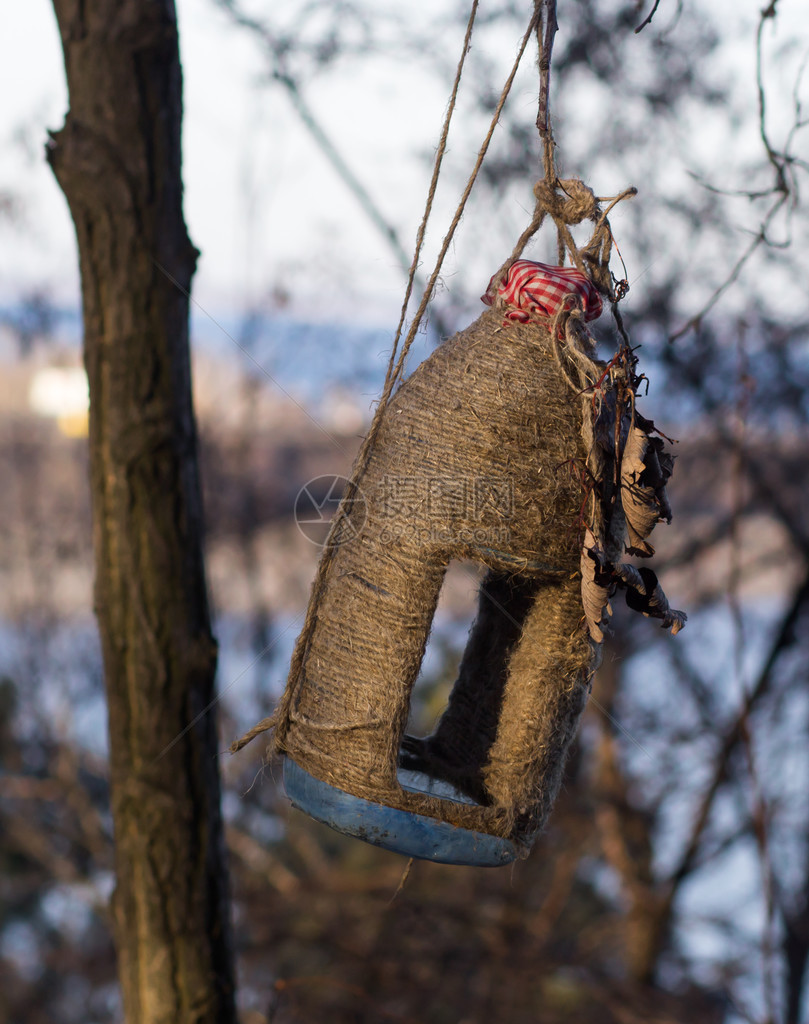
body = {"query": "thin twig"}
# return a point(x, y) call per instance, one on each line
point(282, 74)
point(733, 735)
point(783, 187)
point(760, 238)
point(648, 21)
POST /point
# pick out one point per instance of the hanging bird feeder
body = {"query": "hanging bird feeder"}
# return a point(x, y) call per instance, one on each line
point(514, 447)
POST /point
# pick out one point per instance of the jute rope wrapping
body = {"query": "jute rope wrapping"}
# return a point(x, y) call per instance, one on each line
point(472, 461)
point(511, 410)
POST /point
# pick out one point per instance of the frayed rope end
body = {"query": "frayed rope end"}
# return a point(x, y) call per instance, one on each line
point(263, 726)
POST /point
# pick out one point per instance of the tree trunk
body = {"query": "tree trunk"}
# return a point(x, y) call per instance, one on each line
point(117, 160)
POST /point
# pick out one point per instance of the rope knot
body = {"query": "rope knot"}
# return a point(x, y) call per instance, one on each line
point(577, 202)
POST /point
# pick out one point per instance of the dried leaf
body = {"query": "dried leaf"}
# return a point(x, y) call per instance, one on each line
point(641, 503)
point(645, 595)
point(595, 589)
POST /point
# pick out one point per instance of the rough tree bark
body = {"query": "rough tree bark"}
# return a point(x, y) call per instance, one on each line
point(117, 159)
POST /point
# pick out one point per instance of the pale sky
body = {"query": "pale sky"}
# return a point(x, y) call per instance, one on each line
point(260, 199)
point(261, 202)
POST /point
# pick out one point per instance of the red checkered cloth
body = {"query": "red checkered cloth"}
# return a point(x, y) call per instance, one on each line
point(536, 289)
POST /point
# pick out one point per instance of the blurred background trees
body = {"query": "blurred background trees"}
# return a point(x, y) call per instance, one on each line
point(673, 880)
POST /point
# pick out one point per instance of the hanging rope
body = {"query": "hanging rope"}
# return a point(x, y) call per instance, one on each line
point(567, 201)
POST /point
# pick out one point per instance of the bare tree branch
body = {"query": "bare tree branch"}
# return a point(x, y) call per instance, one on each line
point(648, 20)
point(783, 188)
point(734, 735)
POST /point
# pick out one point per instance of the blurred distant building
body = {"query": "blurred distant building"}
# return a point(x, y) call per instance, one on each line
point(61, 393)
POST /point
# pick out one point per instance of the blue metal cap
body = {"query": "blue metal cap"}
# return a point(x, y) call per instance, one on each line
point(412, 835)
